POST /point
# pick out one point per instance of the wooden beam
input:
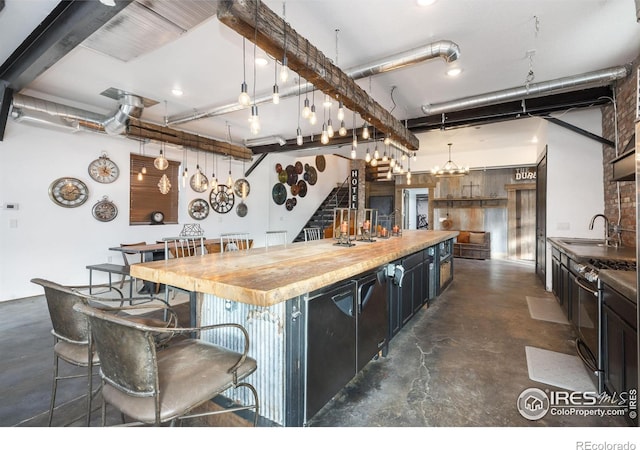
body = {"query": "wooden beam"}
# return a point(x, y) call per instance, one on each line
point(138, 129)
point(274, 35)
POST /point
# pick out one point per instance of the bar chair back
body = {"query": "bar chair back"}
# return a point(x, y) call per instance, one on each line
point(155, 385)
point(128, 260)
point(71, 336)
point(234, 241)
point(312, 234)
point(275, 238)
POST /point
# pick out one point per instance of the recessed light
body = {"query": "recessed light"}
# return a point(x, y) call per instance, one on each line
point(454, 72)
point(425, 2)
point(177, 92)
point(260, 61)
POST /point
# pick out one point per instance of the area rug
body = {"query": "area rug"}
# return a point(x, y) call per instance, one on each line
point(558, 369)
point(546, 308)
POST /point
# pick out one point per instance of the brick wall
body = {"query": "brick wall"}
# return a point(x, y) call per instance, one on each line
point(626, 107)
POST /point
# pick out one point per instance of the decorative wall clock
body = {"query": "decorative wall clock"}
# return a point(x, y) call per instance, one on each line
point(105, 210)
point(222, 199)
point(103, 170)
point(68, 192)
point(198, 209)
point(199, 182)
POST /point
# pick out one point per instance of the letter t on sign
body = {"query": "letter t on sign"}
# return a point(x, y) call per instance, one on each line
point(353, 194)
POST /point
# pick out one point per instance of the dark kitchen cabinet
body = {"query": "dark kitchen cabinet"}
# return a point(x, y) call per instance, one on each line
point(562, 281)
point(620, 343)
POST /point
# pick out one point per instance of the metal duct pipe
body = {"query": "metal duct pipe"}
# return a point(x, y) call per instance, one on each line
point(445, 49)
point(597, 78)
point(41, 111)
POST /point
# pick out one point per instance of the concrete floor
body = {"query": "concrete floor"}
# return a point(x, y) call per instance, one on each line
point(458, 363)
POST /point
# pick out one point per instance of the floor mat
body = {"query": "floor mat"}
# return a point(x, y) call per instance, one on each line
point(558, 369)
point(546, 308)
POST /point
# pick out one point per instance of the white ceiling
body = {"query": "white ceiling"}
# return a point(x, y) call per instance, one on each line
point(566, 37)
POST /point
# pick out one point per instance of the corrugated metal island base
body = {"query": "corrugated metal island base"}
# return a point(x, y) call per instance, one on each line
point(315, 312)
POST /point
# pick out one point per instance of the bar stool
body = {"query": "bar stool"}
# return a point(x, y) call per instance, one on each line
point(275, 238)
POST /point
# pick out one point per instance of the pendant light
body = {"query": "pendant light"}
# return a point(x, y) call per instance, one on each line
point(244, 98)
point(299, 131)
point(284, 69)
point(450, 169)
point(354, 142)
point(376, 153)
point(367, 157)
point(313, 118)
point(213, 183)
point(276, 94)
point(161, 162)
point(340, 111)
point(164, 184)
point(230, 179)
point(255, 120)
point(185, 172)
point(365, 131)
point(143, 170)
point(306, 110)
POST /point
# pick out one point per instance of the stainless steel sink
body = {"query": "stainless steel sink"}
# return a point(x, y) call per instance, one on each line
point(583, 241)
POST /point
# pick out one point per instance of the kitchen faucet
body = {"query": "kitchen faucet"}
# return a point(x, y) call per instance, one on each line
point(606, 227)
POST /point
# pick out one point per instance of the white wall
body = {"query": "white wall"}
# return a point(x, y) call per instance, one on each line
point(574, 179)
point(42, 239)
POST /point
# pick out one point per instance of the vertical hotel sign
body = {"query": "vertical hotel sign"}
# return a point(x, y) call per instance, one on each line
point(353, 190)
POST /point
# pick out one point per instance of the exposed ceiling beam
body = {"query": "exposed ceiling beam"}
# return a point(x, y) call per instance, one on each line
point(539, 107)
point(257, 23)
point(143, 130)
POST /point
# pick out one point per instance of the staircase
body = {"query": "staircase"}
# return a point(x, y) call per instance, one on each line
point(323, 217)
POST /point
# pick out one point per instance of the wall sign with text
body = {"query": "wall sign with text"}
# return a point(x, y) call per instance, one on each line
point(353, 190)
point(525, 174)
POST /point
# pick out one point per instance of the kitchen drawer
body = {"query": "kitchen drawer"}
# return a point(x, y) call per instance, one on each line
point(622, 306)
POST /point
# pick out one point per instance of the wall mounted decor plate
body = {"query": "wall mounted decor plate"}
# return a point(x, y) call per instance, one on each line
point(302, 188)
point(278, 168)
point(241, 209)
point(279, 193)
point(68, 192)
point(241, 188)
point(298, 167)
point(313, 176)
point(321, 163)
point(282, 176)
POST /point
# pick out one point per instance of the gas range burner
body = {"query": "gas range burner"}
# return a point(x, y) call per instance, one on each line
point(612, 264)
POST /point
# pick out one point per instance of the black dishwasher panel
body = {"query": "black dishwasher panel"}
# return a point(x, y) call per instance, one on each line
point(373, 318)
point(331, 344)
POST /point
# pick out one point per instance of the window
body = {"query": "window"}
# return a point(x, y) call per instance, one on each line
point(145, 197)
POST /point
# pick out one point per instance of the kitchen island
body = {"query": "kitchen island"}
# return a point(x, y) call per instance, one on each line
point(299, 300)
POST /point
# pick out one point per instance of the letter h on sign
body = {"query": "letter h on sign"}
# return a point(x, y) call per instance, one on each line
point(353, 194)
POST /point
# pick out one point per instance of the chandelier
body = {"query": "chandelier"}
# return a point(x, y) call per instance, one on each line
point(450, 169)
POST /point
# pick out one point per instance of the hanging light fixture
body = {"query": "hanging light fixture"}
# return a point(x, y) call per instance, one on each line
point(255, 120)
point(340, 111)
point(185, 172)
point(450, 169)
point(354, 142)
point(164, 184)
point(143, 170)
point(161, 162)
point(365, 131)
point(284, 69)
point(213, 183)
point(306, 110)
point(367, 157)
point(313, 118)
point(244, 98)
point(330, 131)
point(276, 93)
point(299, 131)
point(230, 179)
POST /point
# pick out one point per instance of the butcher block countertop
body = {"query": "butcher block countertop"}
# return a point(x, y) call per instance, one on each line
point(267, 276)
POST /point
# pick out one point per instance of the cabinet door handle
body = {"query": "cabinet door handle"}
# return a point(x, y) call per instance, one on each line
point(585, 287)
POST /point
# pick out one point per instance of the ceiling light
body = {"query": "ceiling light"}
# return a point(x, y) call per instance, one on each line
point(177, 92)
point(450, 169)
point(454, 72)
point(261, 61)
point(425, 2)
point(108, 2)
point(340, 111)
point(244, 98)
point(365, 131)
point(343, 129)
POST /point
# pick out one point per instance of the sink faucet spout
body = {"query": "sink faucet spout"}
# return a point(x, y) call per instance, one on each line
point(606, 226)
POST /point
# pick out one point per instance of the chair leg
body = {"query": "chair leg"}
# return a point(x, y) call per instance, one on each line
point(104, 408)
point(257, 404)
point(90, 389)
point(54, 387)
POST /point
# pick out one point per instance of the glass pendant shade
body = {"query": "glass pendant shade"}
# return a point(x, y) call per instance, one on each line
point(340, 111)
point(385, 158)
point(140, 177)
point(343, 130)
point(299, 136)
point(376, 153)
point(367, 157)
point(353, 152)
point(185, 175)
point(161, 162)
point(276, 95)
point(389, 174)
point(365, 132)
point(306, 110)
point(144, 170)
point(324, 137)
point(374, 162)
point(313, 118)
point(330, 131)
point(230, 181)
point(164, 184)
point(244, 98)
point(284, 70)
point(255, 120)
point(213, 183)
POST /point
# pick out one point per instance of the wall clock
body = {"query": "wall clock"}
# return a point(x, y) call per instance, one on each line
point(68, 192)
point(105, 210)
point(203, 184)
point(222, 199)
point(157, 218)
point(103, 170)
point(198, 209)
